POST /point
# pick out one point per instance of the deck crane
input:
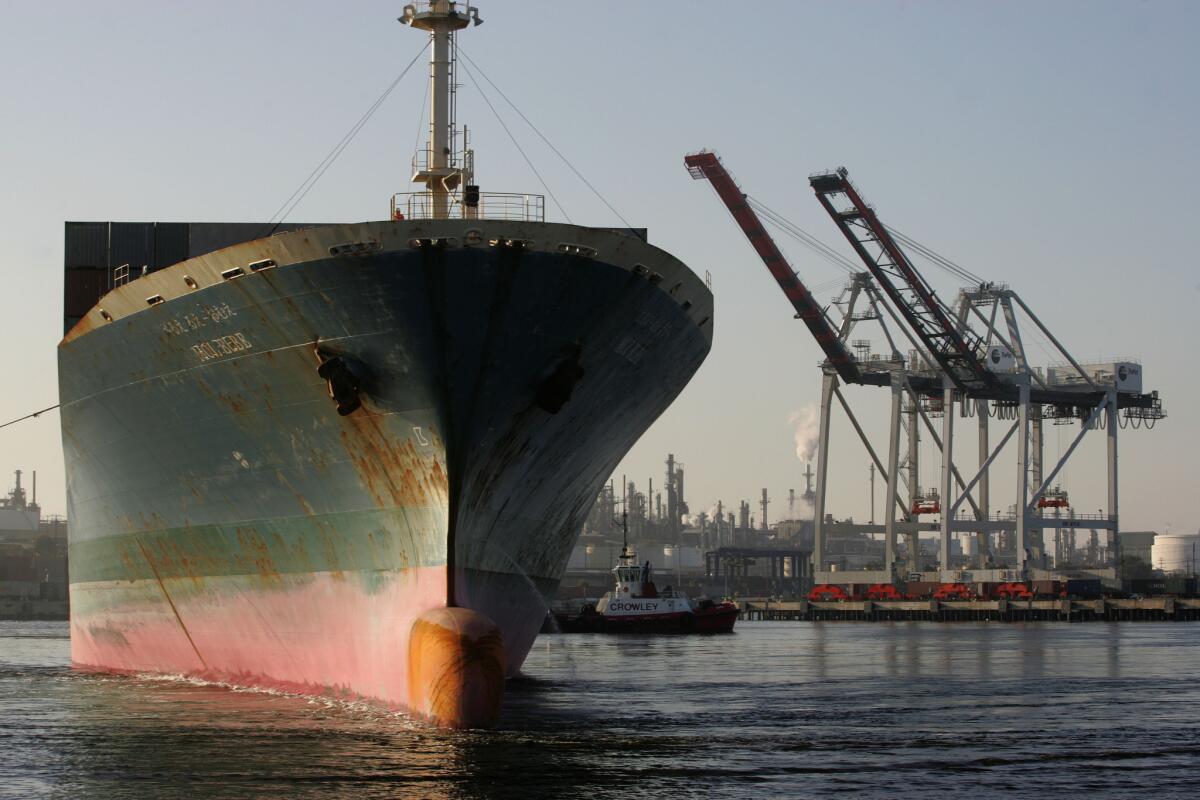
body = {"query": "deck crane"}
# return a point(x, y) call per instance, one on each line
point(956, 348)
point(706, 164)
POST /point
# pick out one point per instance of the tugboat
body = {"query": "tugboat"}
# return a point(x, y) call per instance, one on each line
point(635, 605)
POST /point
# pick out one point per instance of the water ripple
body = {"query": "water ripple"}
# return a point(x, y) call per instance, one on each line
point(776, 710)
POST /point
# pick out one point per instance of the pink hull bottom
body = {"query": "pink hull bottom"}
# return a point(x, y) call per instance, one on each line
point(385, 637)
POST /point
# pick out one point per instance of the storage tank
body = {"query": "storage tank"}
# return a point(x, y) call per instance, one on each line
point(1175, 552)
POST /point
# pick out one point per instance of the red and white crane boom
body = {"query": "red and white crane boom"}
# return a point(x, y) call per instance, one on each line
point(707, 165)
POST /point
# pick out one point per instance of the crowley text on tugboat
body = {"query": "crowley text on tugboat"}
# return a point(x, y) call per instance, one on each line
point(635, 605)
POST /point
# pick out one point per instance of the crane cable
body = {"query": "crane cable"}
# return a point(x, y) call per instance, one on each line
point(513, 139)
point(541, 136)
point(323, 166)
point(936, 258)
point(833, 257)
point(34, 415)
point(794, 231)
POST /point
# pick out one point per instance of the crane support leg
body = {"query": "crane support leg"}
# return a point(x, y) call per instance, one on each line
point(893, 475)
point(1022, 472)
point(982, 546)
point(947, 474)
point(1112, 476)
point(1035, 473)
point(828, 384)
point(913, 540)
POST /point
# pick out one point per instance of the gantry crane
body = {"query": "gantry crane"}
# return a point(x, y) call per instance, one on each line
point(952, 365)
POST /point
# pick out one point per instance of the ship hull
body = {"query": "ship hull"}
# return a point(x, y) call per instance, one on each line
point(228, 522)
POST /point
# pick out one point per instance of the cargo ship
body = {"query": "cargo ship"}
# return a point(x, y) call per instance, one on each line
point(353, 459)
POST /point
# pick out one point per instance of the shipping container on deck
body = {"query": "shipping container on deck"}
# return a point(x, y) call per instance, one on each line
point(131, 243)
point(94, 250)
point(170, 244)
point(82, 287)
point(86, 245)
point(205, 237)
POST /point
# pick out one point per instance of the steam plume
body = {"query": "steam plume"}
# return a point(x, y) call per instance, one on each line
point(804, 420)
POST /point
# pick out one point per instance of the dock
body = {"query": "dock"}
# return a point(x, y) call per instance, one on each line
point(1154, 609)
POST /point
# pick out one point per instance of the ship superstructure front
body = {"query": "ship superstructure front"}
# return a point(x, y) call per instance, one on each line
point(354, 458)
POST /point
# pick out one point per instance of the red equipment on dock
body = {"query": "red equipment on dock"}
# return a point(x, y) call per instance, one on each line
point(954, 591)
point(826, 592)
point(883, 591)
point(1014, 591)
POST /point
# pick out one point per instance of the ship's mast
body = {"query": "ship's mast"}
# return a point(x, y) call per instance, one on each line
point(439, 173)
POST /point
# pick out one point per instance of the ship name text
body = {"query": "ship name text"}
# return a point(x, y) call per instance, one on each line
point(631, 606)
point(196, 320)
point(221, 346)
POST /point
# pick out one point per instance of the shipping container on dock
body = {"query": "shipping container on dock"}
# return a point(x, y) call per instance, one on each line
point(1147, 587)
point(920, 590)
point(26, 589)
point(986, 590)
point(1046, 588)
point(18, 567)
point(1084, 587)
point(1180, 586)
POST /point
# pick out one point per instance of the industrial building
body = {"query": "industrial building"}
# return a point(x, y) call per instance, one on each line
point(33, 557)
point(718, 552)
point(1175, 553)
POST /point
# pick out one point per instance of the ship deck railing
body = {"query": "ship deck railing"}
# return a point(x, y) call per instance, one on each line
point(491, 205)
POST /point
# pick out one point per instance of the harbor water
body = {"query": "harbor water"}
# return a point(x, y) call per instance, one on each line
point(774, 709)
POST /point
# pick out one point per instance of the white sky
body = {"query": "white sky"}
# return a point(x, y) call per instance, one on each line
point(1049, 146)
